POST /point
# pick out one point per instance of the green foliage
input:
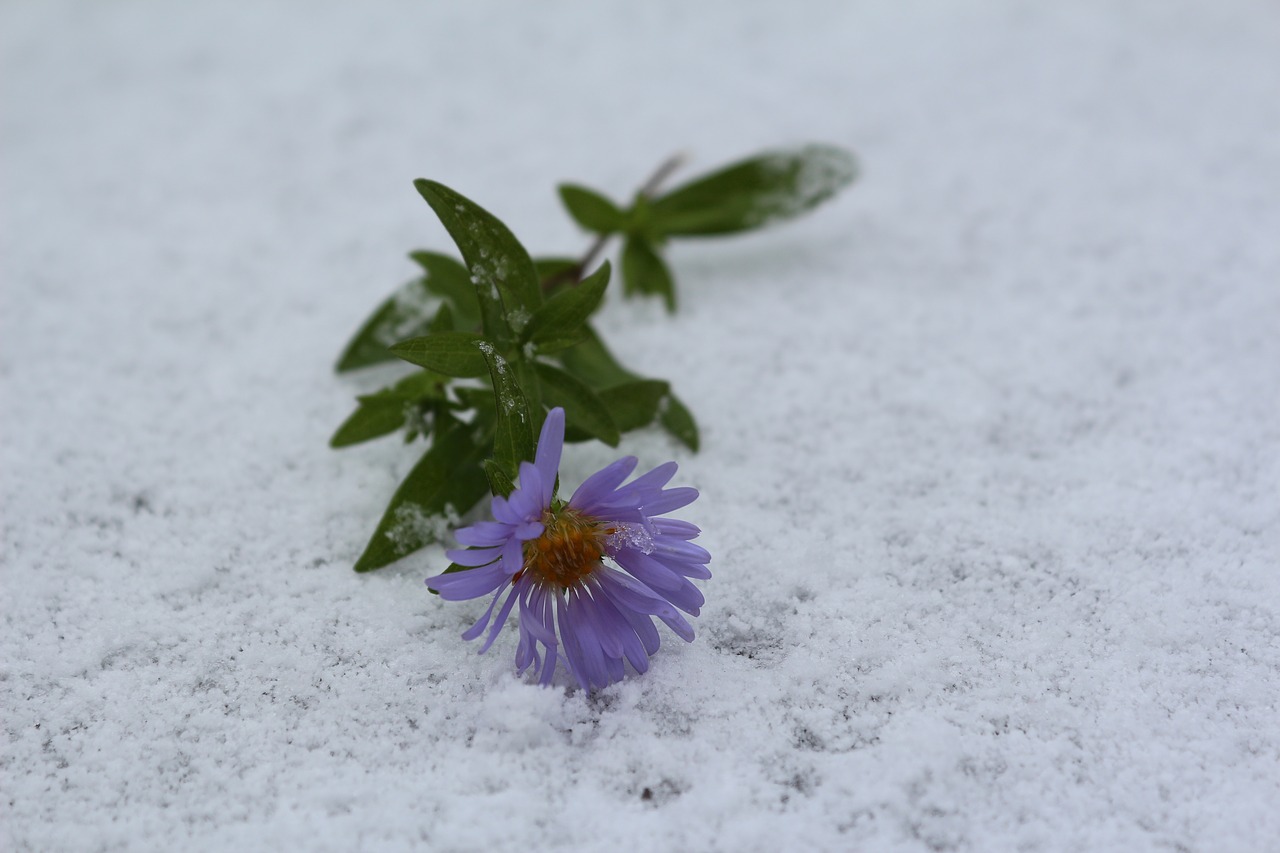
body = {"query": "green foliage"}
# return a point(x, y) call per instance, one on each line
point(514, 437)
point(583, 408)
point(505, 280)
point(447, 480)
point(410, 310)
point(754, 193)
point(524, 325)
point(450, 353)
point(385, 411)
point(558, 323)
point(591, 210)
point(644, 271)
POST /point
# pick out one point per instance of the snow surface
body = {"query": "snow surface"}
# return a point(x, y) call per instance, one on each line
point(990, 467)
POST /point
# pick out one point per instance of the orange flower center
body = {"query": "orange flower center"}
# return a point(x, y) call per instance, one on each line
point(568, 550)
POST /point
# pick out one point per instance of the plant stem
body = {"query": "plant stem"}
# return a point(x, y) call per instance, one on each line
point(579, 270)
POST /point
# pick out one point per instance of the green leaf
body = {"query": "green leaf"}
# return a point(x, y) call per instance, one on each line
point(549, 268)
point(678, 421)
point(513, 440)
point(504, 277)
point(561, 316)
point(406, 312)
point(480, 399)
point(592, 362)
point(443, 321)
point(499, 482)
point(583, 409)
point(635, 404)
point(448, 279)
point(448, 477)
point(562, 341)
point(590, 209)
point(643, 271)
point(376, 416)
point(754, 193)
point(450, 353)
point(387, 410)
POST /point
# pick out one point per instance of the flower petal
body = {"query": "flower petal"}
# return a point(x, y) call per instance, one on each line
point(529, 530)
point(483, 534)
point(670, 499)
point(473, 556)
point(572, 649)
point(632, 594)
point(472, 583)
point(547, 457)
point(478, 628)
point(647, 570)
point(677, 528)
point(632, 646)
point(502, 617)
point(604, 627)
point(653, 481)
point(602, 483)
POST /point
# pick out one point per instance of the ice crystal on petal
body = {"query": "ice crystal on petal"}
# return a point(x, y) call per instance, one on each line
point(632, 536)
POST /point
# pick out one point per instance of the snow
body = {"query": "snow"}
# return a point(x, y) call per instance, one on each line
point(989, 468)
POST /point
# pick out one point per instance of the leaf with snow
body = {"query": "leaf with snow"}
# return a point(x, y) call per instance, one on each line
point(513, 439)
point(754, 193)
point(450, 353)
point(502, 272)
point(387, 410)
point(448, 279)
point(448, 477)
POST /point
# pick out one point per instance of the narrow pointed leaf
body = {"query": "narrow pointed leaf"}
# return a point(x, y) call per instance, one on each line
point(635, 404)
point(501, 270)
point(561, 316)
point(678, 420)
point(590, 209)
point(405, 313)
point(443, 321)
point(387, 410)
point(450, 353)
point(375, 417)
point(447, 278)
point(754, 193)
point(583, 409)
point(592, 362)
point(556, 271)
point(499, 483)
point(447, 478)
point(513, 440)
point(560, 341)
point(644, 271)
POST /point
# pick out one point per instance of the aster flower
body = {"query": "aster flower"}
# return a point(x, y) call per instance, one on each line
point(546, 556)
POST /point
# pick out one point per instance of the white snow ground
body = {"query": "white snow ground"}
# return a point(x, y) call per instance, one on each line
point(990, 467)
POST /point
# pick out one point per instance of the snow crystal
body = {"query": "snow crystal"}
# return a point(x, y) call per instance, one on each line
point(413, 526)
point(413, 306)
point(821, 171)
point(519, 318)
point(630, 536)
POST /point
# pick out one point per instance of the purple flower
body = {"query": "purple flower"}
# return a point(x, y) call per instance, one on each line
point(547, 557)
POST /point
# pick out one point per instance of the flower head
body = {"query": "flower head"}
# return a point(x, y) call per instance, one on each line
point(546, 556)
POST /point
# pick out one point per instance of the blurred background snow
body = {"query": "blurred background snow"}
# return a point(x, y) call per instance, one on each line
point(990, 443)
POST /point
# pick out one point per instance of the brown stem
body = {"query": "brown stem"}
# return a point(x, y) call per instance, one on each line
point(578, 271)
